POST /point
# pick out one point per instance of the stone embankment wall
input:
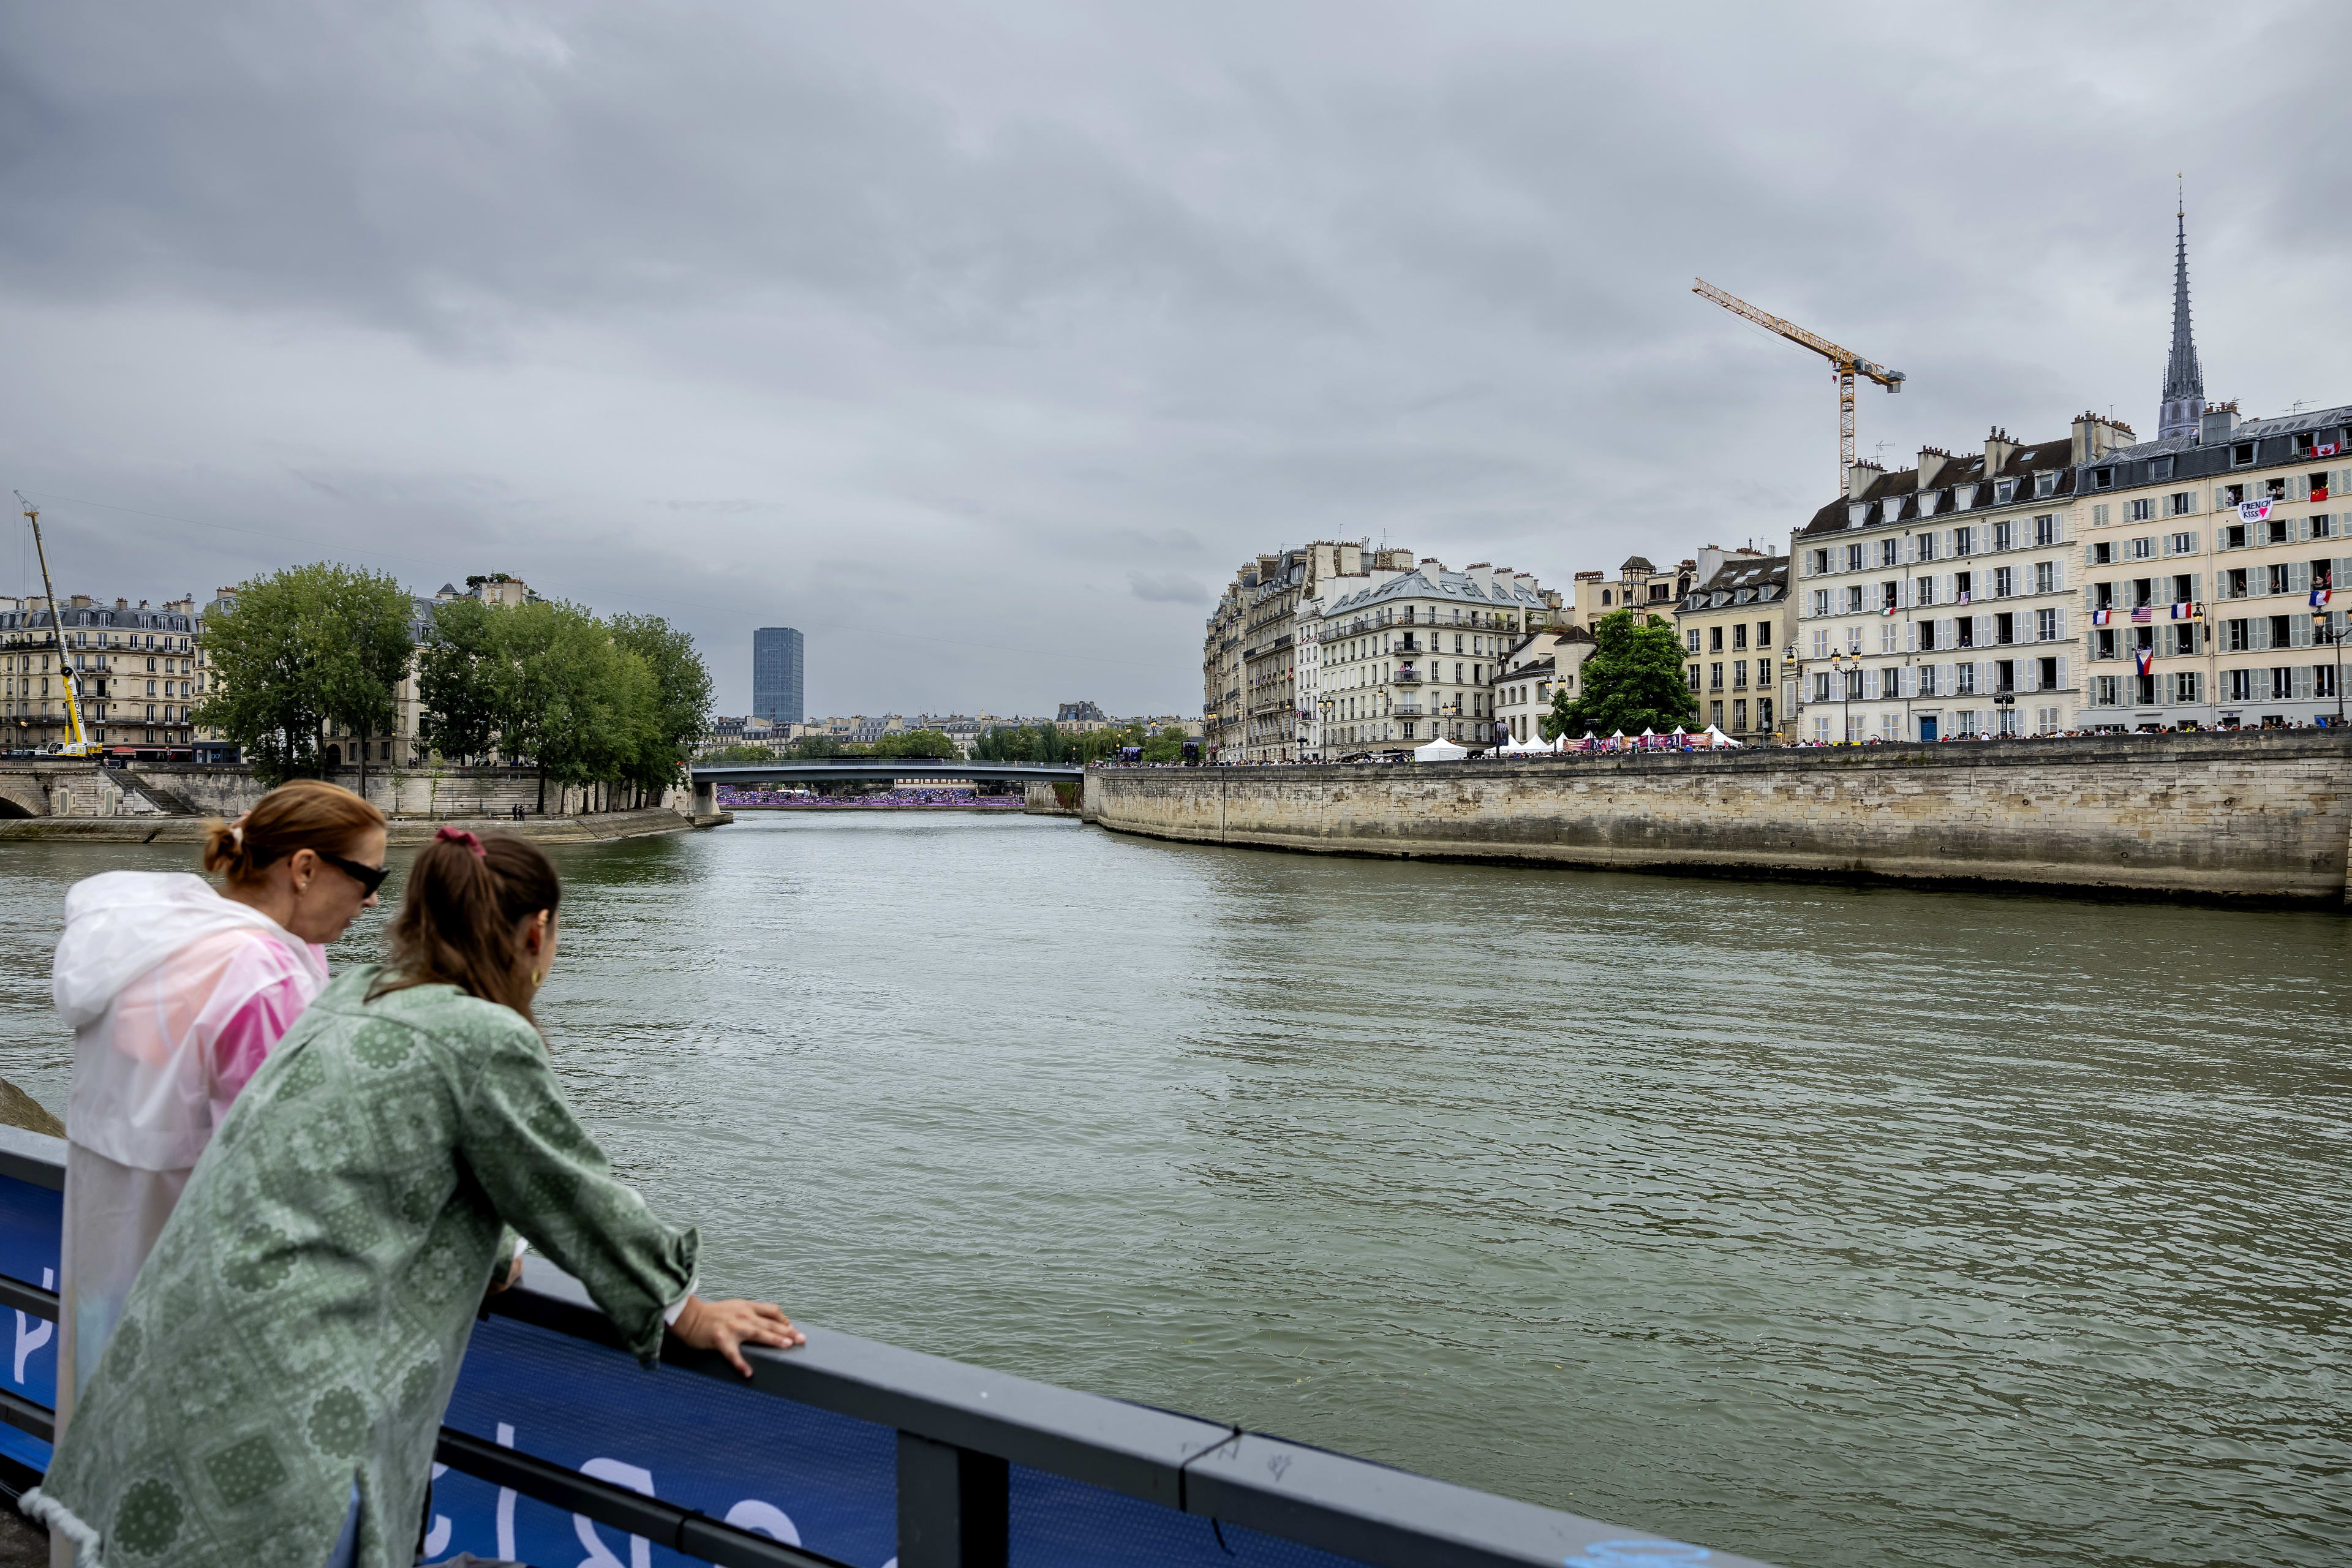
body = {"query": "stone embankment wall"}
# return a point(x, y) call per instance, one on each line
point(82, 789)
point(2262, 817)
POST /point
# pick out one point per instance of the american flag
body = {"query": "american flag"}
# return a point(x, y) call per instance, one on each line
point(2142, 613)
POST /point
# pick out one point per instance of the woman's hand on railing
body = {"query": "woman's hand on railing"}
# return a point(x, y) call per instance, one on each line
point(727, 1326)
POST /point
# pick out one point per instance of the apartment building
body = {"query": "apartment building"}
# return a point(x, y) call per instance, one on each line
point(1530, 672)
point(1261, 664)
point(1411, 657)
point(134, 666)
point(2209, 563)
point(1943, 600)
point(1731, 623)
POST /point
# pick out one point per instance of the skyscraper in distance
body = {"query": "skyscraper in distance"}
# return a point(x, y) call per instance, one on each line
point(776, 675)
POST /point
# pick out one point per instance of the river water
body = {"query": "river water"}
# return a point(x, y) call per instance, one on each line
point(1835, 1226)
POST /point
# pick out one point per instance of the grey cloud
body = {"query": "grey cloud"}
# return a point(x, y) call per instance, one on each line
point(878, 317)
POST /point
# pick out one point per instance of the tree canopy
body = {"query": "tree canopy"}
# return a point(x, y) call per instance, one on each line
point(1632, 681)
point(301, 648)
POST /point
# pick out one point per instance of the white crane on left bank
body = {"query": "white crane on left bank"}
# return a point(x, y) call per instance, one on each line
point(78, 743)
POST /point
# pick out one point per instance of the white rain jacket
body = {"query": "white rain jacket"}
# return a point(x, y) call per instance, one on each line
point(175, 994)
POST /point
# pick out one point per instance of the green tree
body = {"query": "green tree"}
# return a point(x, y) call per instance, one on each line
point(681, 700)
point(461, 680)
point(1632, 681)
point(741, 754)
point(304, 648)
point(933, 743)
point(815, 747)
point(1166, 745)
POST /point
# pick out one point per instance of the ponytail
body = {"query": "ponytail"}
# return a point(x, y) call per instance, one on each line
point(308, 814)
point(458, 916)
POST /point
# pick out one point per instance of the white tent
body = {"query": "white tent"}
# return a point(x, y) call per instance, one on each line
point(1441, 750)
point(1518, 747)
point(1715, 737)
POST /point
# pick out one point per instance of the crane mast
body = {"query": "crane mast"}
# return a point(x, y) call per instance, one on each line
point(1844, 364)
point(78, 743)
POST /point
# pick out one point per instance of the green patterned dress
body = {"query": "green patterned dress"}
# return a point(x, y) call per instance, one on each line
point(300, 1324)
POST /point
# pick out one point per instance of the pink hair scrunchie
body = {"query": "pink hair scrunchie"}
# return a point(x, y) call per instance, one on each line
point(459, 835)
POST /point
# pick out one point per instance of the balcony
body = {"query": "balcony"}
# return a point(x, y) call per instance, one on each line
point(1404, 710)
point(1407, 676)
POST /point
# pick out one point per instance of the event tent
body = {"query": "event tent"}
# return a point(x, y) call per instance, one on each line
point(1441, 750)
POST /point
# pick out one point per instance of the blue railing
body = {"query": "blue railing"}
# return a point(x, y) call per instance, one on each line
point(559, 1449)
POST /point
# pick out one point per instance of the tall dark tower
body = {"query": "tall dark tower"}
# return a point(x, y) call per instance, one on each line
point(777, 674)
point(2184, 378)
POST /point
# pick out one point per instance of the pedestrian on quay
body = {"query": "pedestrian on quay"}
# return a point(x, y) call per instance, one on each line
point(176, 994)
point(272, 1396)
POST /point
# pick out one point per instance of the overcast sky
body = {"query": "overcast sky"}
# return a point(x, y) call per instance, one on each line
point(982, 343)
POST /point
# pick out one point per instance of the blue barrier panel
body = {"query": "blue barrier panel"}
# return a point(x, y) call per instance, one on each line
point(32, 1222)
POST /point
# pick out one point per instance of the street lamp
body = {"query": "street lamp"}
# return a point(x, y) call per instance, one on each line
point(1848, 665)
point(2320, 632)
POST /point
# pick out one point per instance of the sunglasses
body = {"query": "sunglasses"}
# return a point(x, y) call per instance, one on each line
point(369, 878)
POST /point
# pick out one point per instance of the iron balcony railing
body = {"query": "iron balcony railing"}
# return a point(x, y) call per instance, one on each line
point(854, 1451)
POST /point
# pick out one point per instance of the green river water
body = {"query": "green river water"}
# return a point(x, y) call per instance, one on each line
point(1835, 1226)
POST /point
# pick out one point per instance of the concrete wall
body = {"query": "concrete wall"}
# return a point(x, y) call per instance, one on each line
point(76, 788)
point(2253, 816)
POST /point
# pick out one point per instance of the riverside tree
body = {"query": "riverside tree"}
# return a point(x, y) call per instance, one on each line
point(301, 648)
point(1632, 681)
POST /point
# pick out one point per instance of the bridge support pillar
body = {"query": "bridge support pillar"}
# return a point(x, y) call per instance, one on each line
point(706, 799)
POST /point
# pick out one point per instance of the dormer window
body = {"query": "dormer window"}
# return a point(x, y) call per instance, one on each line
point(2045, 484)
point(2003, 491)
point(2160, 467)
point(2241, 456)
point(2103, 479)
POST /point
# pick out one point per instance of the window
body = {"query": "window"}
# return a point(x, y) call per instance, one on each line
point(1739, 636)
point(2280, 579)
point(2278, 531)
point(1820, 564)
point(2003, 491)
point(2103, 596)
point(2004, 628)
point(1927, 680)
point(1714, 640)
point(2045, 485)
point(2231, 496)
point(2045, 531)
point(2241, 454)
point(2283, 683)
point(2315, 483)
point(1821, 601)
point(2004, 582)
point(1964, 679)
point(2140, 511)
point(1853, 599)
point(1763, 634)
point(2241, 685)
point(2143, 549)
point(1854, 640)
point(2046, 577)
point(2103, 479)
point(1964, 541)
point(2045, 625)
point(1924, 590)
point(2180, 503)
point(2103, 554)
point(1927, 634)
point(2099, 515)
point(1927, 547)
point(2106, 691)
point(2160, 467)
point(1822, 686)
point(2183, 544)
point(1693, 678)
point(1888, 638)
point(2323, 526)
point(2236, 635)
point(1715, 678)
point(1694, 639)
point(1820, 644)
point(2184, 685)
point(2003, 535)
point(2323, 680)
point(1963, 587)
point(1853, 557)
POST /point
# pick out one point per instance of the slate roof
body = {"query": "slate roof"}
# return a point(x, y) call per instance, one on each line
point(1896, 497)
point(1425, 583)
point(1741, 580)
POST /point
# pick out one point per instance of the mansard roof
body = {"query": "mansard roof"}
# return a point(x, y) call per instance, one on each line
point(1894, 498)
point(1427, 582)
point(1742, 580)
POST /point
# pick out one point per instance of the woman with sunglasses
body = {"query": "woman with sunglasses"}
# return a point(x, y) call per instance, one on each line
point(176, 994)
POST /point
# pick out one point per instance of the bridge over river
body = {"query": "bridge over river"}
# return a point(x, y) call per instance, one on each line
point(881, 772)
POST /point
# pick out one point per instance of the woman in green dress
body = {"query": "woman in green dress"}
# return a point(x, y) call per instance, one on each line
point(273, 1393)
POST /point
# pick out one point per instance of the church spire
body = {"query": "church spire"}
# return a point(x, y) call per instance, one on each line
point(2184, 378)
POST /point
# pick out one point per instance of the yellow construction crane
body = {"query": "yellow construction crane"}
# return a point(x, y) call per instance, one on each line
point(78, 743)
point(1844, 362)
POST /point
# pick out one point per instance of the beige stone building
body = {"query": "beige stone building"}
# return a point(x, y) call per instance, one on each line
point(1732, 624)
point(1412, 657)
point(1531, 671)
point(1943, 600)
point(1638, 585)
point(133, 664)
point(1260, 661)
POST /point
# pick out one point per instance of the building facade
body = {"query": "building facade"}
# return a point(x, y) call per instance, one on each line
point(2209, 565)
point(134, 668)
point(1731, 623)
point(1411, 657)
point(1638, 585)
point(1943, 600)
point(778, 674)
point(1260, 667)
point(1530, 672)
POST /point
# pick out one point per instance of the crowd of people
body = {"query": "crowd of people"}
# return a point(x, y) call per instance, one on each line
point(287, 1191)
point(962, 796)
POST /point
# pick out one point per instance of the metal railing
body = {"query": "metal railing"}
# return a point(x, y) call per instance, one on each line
point(960, 1431)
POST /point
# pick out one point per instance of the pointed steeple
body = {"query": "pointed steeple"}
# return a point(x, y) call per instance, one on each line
point(2184, 378)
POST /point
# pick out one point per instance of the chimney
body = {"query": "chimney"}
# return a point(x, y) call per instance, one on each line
point(1861, 476)
point(1931, 464)
point(2096, 436)
point(2220, 419)
point(1998, 448)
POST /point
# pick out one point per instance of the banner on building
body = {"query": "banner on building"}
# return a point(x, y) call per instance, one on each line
point(2253, 510)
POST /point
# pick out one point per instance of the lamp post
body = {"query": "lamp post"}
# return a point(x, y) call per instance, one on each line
point(2320, 632)
point(1848, 665)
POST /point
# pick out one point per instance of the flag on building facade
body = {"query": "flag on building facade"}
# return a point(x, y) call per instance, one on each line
point(2141, 613)
point(2143, 657)
point(2319, 490)
point(2253, 510)
point(2326, 449)
point(2101, 617)
point(2184, 611)
point(2320, 593)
